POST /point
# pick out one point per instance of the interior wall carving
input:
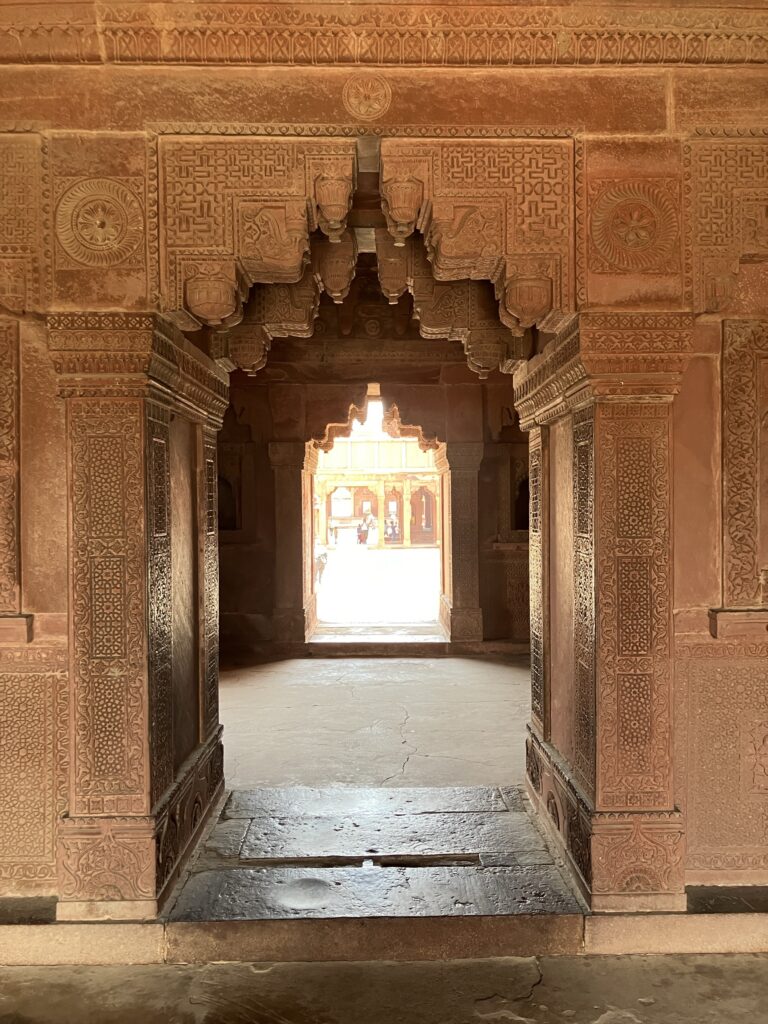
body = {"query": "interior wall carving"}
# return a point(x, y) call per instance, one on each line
point(263, 198)
point(496, 210)
point(239, 33)
point(9, 469)
point(745, 406)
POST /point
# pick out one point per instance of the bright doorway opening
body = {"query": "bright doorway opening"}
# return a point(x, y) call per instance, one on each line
point(377, 557)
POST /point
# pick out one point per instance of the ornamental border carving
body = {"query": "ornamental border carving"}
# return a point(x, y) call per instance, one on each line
point(634, 606)
point(745, 345)
point(9, 468)
point(379, 35)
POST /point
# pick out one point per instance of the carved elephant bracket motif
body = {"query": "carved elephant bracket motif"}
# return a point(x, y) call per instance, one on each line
point(240, 212)
point(497, 210)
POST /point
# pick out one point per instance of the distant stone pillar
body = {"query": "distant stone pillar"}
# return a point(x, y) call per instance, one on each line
point(460, 464)
point(381, 498)
point(131, 816)
point(607, 788)
point(406, 524)
point(292, 464)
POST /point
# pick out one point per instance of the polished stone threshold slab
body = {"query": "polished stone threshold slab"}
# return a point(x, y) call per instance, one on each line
point(306, 801)
point(369, 891)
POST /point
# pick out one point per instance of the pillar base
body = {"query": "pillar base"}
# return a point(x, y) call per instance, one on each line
point(622, 861)
point(289, 626)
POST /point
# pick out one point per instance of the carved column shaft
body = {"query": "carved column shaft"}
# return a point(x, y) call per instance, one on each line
point(608, 785)
point(461, 478)
point(131, 817)
point(288, 462)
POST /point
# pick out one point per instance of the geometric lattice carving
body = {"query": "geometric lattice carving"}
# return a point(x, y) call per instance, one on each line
point(210, 586)
point(584, 599)
point(745, 403)
point(536, 578)
point(727, 179)
point(724, 696)
point(634, 597)
point(109, 609)
point(499, 210)
point(239, 211)
point(9, 467)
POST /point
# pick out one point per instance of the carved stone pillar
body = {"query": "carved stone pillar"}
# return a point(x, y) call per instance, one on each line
point(603, 777)
point(460, 464)
point(292, 473)
point(132, 814)
point(406, 524)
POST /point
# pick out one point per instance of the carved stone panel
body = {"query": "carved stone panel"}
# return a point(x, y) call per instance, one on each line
point(499, 210)
point(245, 207)
point(727, 191)
point(537, 596)
point(724, 703)
point(209, 584)
point(584, 599)
point(102, 234)
point(33, 763)
point(634, 595)
point(108, 614)
point(9, 467)
point(745, 460)
point(21, 250)
point(160, 598)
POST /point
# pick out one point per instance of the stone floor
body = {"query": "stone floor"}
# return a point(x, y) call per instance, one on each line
point(363, 853)
point(372, 722)
point(727, 989)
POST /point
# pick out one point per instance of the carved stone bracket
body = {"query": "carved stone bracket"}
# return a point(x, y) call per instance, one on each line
point(496, 210)
point(273, 311)
point(240, 212)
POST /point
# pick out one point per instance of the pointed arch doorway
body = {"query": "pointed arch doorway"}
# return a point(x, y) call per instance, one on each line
point(376, 553)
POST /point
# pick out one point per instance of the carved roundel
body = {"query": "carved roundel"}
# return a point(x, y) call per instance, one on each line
point(635, 226)
point(367, 96)
point(99, 222)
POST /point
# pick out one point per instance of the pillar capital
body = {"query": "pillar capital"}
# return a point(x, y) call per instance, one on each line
point(603, 357)
point(288, 454)
point(464, 455)
point(135, 355)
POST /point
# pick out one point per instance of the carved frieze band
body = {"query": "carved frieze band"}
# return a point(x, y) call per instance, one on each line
point(745, 459)
point(634, 593)
point(9, 467)
point(108, 609)
point(385, 35)
point(21, 251)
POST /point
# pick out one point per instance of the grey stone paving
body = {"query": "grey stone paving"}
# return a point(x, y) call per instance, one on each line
point(548, 990)
point(367, 852)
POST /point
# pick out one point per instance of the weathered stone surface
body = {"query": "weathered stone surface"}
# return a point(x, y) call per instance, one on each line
point(255, 894)
point(276, 839)
point(537, 990)
point(304, 801)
